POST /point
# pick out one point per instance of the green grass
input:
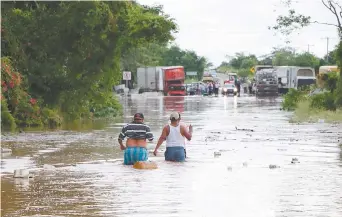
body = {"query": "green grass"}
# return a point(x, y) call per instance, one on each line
point(304, 113)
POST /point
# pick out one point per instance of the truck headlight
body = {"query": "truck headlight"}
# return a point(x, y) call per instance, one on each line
point(224, 89)
point(235, 89)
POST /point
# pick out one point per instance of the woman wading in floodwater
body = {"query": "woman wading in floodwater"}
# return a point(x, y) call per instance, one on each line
point(175, 135)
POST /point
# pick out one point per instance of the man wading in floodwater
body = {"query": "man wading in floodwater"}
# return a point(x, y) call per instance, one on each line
point(174, 134)
point(136, 132)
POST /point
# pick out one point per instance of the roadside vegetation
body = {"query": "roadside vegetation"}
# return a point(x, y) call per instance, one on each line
point(60, 60)
point(326, 104)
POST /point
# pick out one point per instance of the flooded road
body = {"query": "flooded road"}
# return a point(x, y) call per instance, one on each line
point(81, 173)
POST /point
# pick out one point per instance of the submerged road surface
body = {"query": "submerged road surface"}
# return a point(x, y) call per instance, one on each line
point(81, 173)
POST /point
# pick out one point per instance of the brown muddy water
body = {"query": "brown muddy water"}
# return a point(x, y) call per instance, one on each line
point(80, 173)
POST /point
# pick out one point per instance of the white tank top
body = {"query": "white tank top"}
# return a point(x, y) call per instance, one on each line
point(175, 138)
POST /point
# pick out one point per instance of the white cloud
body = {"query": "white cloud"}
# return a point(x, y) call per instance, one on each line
point(218, 27)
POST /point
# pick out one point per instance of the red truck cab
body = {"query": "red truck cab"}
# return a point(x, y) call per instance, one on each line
point(174, 81)
point(177, 90)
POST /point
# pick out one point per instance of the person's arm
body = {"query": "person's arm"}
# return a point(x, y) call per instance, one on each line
point(187, 134)
point(161, 139)
point(149, 134)
point(122, 136)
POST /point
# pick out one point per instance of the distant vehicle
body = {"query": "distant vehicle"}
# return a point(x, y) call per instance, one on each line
point(328, 69)
point(207, 79)
point(229, 89)
point(232, 79)
point(166, 79)
point(266, 82)
point(294, 77)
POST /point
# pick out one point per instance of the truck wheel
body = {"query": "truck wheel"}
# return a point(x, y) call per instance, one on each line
point(141, 91)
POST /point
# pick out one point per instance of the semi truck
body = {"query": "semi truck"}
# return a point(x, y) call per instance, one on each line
point(166, 79)
point(266, 82)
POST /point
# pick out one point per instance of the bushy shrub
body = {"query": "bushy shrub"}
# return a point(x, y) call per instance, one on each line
point(323, 101)
point(330, 81)
point(111, 108)
point(338, 99)
point(7, 120)
point(292, 98)
point(51, 118)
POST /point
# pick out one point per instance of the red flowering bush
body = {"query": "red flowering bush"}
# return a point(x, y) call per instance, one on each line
point(17, 103)
point(33, 101)
point(17, 106)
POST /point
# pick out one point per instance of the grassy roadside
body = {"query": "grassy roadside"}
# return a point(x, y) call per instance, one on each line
point(303, 113)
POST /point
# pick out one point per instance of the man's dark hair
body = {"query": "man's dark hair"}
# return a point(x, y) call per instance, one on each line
point(138, 116)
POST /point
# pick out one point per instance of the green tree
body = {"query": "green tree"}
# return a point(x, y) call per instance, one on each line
point(69, 53)
point(306, 59)
point(175, 56)
point(240, 63)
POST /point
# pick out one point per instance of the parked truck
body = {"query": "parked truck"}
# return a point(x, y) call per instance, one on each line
point(166, 79)
point(266, 82)
point(294, 77)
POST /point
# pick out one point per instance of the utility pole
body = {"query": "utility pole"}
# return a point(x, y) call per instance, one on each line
point(309, 47)
point(327, 59)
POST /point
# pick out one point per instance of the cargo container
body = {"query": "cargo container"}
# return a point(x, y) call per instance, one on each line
point(166, 79)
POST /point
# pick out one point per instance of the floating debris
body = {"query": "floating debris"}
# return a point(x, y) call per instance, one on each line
point(229, 168)
point(245, 164)
point(6, 150)
point(216, 153)
point(49, 167)
point(282, 149)
point(249, 130)
point(294, 160)
point(272, 166)
point(22, 173)
point(149, 165)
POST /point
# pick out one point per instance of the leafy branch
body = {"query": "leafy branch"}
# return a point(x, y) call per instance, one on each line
point(293, 21)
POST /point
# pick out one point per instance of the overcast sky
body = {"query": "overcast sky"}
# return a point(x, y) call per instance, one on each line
point(216, 28)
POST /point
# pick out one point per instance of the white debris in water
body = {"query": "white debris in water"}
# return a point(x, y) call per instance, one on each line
point(272, 166)
point(321, 121)
point(217, 153)
point(6, 150)
point(49, 167)
point(22, 173)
